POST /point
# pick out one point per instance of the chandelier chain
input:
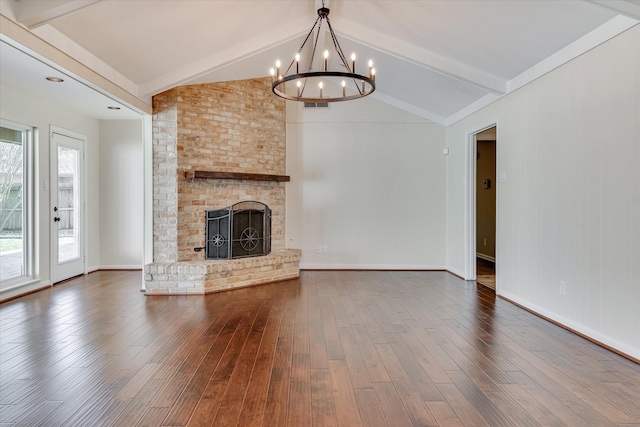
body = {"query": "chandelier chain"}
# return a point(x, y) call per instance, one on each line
point(302, 45)
point(338, 48)
point(336, 45)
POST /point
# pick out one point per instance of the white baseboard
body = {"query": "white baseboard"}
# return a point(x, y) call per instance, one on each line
point(26, 288)
point(307, 266)
point(115, 267)
point(577, 327)
point(456, 272)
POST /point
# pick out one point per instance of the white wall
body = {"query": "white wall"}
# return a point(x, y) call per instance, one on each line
point(121, 194)
point(570, 208)
point(26, 108)
point(368, 181)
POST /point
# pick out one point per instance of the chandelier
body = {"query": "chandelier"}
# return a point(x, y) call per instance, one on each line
point(322, 85)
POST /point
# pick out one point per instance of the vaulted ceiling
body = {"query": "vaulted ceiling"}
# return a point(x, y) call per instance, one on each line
point(439, 59)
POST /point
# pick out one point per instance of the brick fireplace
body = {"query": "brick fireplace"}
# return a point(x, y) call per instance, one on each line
point(231, 129)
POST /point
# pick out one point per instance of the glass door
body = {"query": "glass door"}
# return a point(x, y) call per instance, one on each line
point(15, 206)
point(67, 203)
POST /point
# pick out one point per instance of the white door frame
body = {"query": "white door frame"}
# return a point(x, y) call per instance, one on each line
point(53, 198)
point(470, 200)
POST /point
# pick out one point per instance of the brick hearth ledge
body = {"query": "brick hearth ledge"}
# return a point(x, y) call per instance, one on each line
point(206, 276)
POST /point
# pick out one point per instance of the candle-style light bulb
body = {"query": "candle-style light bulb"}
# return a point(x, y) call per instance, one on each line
point(297, 62)
point(273, 73)
point(326, 59)
point(320, 86)
point(370, 68)
point(278, 67)
point(299, 84)
point(373, 73)
point(353, 62)
point(344, 88)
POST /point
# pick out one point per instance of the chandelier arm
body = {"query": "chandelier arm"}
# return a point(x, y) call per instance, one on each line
point(315, 45)
point(336, 45)
point(313, 53)
point(355, 83)
point(338, 48)
point(302, 45)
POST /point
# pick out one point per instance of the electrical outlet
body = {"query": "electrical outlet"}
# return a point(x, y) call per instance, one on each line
point(563, 287)
point(485, 242)
point(318, 249)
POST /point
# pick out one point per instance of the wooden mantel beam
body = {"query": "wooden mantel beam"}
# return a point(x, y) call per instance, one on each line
point(236, 175)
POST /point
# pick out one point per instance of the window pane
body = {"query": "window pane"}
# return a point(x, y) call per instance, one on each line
point(68, 167)
point(12, 255)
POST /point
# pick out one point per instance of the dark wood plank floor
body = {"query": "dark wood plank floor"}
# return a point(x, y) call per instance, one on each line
point(486, 273)
point(330, 349)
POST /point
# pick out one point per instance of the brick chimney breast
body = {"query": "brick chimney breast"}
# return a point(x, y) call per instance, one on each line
point(236, 126)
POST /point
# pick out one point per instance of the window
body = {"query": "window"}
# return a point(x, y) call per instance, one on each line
point(15, 205)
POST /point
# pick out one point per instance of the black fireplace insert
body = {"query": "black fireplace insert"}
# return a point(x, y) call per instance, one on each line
point(238, 231)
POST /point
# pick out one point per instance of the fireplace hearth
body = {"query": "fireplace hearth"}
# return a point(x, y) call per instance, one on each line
point(238, 231)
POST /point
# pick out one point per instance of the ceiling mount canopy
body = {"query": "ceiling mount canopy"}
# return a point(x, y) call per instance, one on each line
point(321, 84)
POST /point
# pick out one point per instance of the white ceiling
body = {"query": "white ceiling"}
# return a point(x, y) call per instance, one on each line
point(435, 58)
point(29, 74)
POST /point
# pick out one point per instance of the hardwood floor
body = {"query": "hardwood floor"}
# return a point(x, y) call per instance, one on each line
point(330, 349)
point(486, 273)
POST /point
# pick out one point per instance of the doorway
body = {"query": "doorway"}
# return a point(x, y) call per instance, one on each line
point(481, 216)
point(67, 206)
point(485, 206)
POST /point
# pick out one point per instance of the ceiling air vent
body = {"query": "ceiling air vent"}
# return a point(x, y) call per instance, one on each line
point(316, 105)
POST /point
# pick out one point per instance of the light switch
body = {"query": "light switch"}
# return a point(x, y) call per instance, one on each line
point(503, 176)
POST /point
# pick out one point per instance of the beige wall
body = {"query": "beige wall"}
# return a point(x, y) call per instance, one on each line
point(568, 212)
point(368, 185)
point(121, 194)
